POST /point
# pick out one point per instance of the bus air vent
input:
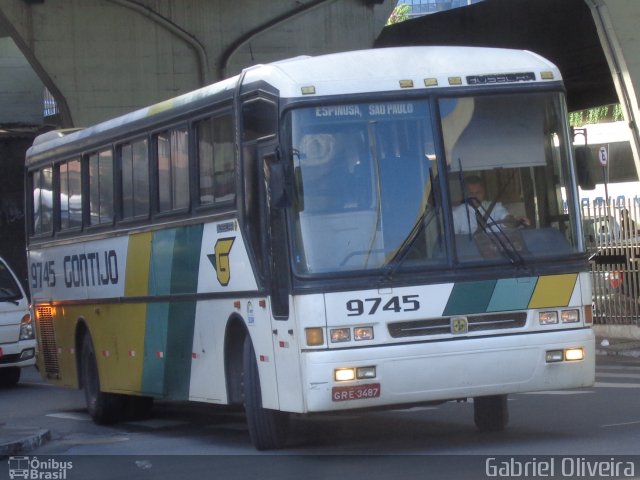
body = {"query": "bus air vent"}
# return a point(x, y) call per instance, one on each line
point(442, 325)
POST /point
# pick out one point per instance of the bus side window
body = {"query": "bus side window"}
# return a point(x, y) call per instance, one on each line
point(70, 194)
point(134, 159)
point(172, 148)
point(216, 160)
point(101, 187)
point(42, 201)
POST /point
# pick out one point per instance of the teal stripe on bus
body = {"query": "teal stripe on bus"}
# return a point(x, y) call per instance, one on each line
point(175, 258)
point(182, 315)
point(469, 297)
point(512, 294)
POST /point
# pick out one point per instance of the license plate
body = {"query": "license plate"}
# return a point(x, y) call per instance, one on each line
point(355, 392)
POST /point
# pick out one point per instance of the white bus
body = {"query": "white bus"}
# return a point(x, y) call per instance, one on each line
point(284, 239)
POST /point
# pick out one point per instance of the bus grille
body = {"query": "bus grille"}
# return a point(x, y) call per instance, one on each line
point(48, 345)
point(442, 325)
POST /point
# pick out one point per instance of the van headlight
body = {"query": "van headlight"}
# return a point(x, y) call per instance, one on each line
point(26, 328)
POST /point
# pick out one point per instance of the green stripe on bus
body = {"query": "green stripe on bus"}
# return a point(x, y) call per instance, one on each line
point(175, 257)
point(184, 279)
point(512, 294)
point(469, 297)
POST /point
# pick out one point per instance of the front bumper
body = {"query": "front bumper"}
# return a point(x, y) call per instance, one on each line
point(458, 368)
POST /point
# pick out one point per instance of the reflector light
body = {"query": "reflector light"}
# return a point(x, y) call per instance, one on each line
point(430, 82)
point(455, 81)
point(588, 315)
point(315, 336)
point(308, 90)
point(546, 75)
point(406, 83)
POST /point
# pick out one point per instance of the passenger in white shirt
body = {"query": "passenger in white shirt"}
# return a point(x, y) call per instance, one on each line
point(465, 216)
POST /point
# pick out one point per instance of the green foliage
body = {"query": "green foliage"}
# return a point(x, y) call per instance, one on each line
point(605, 113)
point(400, 14)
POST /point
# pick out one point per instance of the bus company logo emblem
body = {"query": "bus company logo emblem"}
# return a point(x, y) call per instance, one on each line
point(459, 325)
point(220, 259)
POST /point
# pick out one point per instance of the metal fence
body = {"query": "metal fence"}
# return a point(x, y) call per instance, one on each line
point(612, 233)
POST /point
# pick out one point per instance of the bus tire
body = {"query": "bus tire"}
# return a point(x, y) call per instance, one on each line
point(9, 376)
point(268, 429)
point(491, 414)
point(104, 408)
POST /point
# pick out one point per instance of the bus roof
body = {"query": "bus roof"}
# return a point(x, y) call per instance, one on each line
point(360, 71)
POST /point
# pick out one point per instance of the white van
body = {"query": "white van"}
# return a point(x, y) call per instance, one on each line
point(17, 335)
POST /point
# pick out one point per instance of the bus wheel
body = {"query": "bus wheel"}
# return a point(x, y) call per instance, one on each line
point(267, 428)
point(9, 376)
point(491, 414)
point(104, 408)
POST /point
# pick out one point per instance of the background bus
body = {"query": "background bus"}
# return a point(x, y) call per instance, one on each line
point(286, 240)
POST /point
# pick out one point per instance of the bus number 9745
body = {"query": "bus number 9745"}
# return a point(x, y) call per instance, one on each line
point(369, 306)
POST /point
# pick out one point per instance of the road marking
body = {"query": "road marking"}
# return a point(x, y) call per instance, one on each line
point(619, 375)
point(617, 367)
point(621, 424)
point(616, 385)
point(558, 392)
point(70, 416)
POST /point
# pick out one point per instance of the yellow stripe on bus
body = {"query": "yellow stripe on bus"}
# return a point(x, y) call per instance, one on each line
point(138, 259)
point(553, 291)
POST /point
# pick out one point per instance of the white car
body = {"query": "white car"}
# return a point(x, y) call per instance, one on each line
point(17, 334)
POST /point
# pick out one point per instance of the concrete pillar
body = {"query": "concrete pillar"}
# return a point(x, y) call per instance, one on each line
point(617, 23)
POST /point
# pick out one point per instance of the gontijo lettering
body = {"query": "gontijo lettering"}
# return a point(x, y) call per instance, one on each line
point(91, 269)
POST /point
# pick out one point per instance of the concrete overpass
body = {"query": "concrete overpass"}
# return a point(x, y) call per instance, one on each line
point(101, 58)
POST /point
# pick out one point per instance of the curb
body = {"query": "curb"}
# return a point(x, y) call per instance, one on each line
point(24, 440)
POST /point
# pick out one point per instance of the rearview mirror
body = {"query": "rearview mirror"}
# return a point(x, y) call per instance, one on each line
point(584, 159)
point(279, 185)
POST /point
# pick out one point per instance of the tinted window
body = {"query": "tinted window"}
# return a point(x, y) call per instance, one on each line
point(101, 187)
point(173, 169)
point(216, 160)
point(135, 179)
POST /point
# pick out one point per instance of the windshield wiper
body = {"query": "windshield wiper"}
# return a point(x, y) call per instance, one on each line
point(391, 267)
point(500, 240)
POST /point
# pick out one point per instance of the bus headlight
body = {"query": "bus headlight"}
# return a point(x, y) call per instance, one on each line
point(574, 354)
point(363, 333)
point(570, 316)
point(340, 335)
point(548, 318)
point(344, 374)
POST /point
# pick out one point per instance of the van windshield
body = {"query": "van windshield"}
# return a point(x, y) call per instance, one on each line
point(9, 289)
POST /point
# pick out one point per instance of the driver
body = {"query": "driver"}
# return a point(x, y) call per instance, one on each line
point(477, 213)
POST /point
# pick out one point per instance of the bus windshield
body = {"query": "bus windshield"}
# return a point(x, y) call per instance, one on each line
point(508, 165)
point(364, 174)
point(367, 183)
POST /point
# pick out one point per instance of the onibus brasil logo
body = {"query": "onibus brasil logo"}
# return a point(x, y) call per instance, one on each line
point(33, 468)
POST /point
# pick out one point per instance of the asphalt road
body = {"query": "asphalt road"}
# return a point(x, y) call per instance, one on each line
point(567, 432)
